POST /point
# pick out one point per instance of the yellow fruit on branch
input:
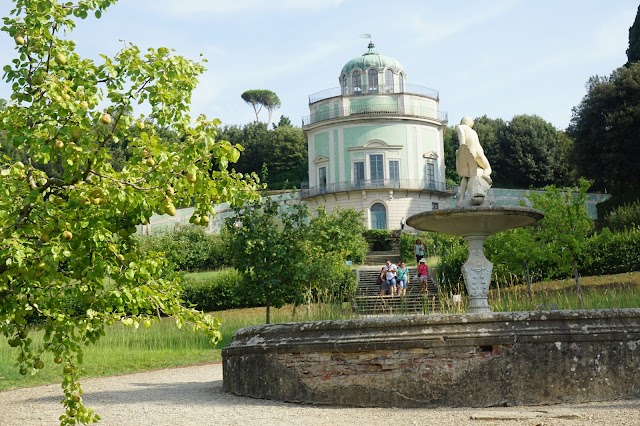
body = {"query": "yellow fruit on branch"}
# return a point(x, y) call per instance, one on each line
point(61, 59)
point(105, 119)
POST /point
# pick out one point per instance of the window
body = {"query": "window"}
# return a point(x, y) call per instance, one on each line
point(376, 170)
point(434, 206)
point(322, 179)
point(373, 81)
point(358, 174)
point(388, 81)
point(378, 216)
point(394, 173)
point(344, 85)
point(357, 83)
point(401, 79)
point(431, 175)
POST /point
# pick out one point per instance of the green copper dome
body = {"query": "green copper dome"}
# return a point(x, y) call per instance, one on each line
point(372, 59)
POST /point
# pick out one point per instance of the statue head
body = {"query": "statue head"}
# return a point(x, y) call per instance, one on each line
point(467, 120)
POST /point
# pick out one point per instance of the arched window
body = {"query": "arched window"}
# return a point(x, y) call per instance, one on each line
point(372, 79)
point(357, 83)
point(388, 81)
point(378, 216)
point(344, 85)
point(401, 79)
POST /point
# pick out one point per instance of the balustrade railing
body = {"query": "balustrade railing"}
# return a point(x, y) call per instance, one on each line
point(378, 89)
point(330, 188)
point(374, 110)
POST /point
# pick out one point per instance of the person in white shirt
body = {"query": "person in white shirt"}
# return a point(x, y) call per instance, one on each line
point(390, 271)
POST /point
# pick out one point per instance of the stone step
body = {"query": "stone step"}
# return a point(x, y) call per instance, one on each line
point(369, 302)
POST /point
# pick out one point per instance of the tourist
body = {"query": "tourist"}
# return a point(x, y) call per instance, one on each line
point(403, 279)
point(382, 282)
point(402, 223)
point(390, 271)
point(423, 274)
point(418, 250)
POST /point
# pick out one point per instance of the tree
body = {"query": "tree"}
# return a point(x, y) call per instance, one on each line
point(285, 152)
point(605, 127)
point(340, 232)
point(259, 98)
point(562, 233)
point(489, 132)
point(253, 138)
point(531, 153)
point(450, 145)
point(526, 152)
point(633, 52)
point(266, 244)
point(62, 235)
point(283, 149)
point(284, 121)
point(518, 250)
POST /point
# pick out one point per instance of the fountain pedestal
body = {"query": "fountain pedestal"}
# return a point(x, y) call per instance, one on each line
point(477, 274)
point(475, 224)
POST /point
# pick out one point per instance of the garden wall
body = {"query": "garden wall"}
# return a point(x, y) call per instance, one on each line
point(475, 360)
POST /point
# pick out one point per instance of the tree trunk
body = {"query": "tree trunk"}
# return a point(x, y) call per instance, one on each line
point(268, 320)
point(578, 287)
point(527, 276)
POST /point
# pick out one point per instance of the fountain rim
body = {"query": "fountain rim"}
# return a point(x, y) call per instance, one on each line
point(445, 215)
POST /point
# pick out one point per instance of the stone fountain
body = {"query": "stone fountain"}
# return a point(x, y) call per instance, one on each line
point(475, 224)
point(477, 359)
point(474, 218)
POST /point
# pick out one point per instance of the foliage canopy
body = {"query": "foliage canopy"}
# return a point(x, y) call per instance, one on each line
point(259, 98)
point(63, 234)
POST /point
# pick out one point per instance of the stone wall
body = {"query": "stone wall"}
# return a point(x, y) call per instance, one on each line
point(476, 360)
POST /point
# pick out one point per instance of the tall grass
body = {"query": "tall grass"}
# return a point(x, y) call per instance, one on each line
point(121, 350)
point(601, 292)
point(125, 350)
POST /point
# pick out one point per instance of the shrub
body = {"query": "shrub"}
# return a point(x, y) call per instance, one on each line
point(219, 290)
point(378, 239)
point(624, 217)
point(448, 273)
point(188, 249)
point(330, 281)
point(612, 253)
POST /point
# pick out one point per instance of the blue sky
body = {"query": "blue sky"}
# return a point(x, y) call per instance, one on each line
point(498, 58)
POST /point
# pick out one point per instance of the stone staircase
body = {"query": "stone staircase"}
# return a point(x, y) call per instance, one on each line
point(369, 302)
point(374, 258)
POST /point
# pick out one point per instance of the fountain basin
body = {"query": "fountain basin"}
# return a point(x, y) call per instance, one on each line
point(475, 220)
point(473, 360)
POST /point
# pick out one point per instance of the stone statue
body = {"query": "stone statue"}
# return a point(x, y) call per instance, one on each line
point(472, 166)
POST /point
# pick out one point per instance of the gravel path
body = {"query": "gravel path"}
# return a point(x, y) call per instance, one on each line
point(194, 396)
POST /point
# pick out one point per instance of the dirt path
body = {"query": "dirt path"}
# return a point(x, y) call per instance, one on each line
point(194, 396)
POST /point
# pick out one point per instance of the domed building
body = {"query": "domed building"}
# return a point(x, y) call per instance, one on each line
point(376, 144)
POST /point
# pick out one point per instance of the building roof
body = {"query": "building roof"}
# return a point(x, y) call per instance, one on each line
point(372, 59)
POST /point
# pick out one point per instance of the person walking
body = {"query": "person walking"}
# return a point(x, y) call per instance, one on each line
point(418, 250)
point(423, 273)
point(390, 270)
point(403, 279)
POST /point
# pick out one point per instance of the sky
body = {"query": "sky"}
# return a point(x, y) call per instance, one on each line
point(498, 58)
